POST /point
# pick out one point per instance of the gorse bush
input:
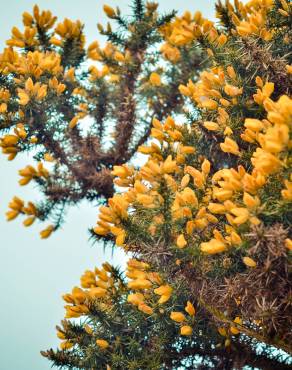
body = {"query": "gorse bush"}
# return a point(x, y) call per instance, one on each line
point(206, 221)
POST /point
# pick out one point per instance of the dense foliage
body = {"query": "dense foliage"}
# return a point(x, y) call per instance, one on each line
point(206, 221)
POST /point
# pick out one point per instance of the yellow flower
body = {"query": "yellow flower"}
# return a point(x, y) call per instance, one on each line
point(135, 264)
point(186, 330)
point(11, 215)
point(88, 329)
point(253, 124)
point(136, 274)
point(189, 197)
point(231, 72)
point(181, 242)
point(288, 244)
point(16, 203)
point(47, 232)
point(9, 140)
point(109, 11)
point(211, 126)
point(121, 171)
point(48, 157)
point(235, 239)
point(29, 221)
point(120, 238)
point(139, 284)
point(102, 344)
point(185, 180)
point(177, 316)
point(249, 201)
point(232, 90)
point(155, 79)
point(55, 41)
point(206, 166)
point(222, 39)
point(222, 331)
point(119, 57)
point(97, 292)
point(230, 146)
point(238, 320)
point(241, 214)
point(164, 298)
point(265, 162)
point(23, 98)
point(184, 90)
point(74, 122)
point(135, 298)
point(289, 68)
point(214, 246)
point(198, 177)
point(228, 131)
point(60, 335)
point(222, 194)
point(190, 309)
point(209, 104)
point(216, 208)
point(249, 262)
point(234, 330)
point(163, 290)
point(79, 295)
point(66, 345)
point(145, 308)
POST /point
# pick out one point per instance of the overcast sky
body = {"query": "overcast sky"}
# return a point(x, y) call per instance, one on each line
point(35, 273)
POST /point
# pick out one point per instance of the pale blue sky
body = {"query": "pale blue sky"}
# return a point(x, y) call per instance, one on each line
point(35, 273)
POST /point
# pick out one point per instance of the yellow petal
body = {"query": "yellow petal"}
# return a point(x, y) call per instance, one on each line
point(249, 262)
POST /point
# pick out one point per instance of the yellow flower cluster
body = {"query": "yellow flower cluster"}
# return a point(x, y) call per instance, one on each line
point(42, 22)
point(110, 218)
point(25, 39)
point(170, 52)
point(32, 64)
point(27, 70)
point(68, 30)
point(17, 207)
point(8, 144)
point(31, 91)
point(66, 344)
point(144, 282)
point(254, 19)
point(273, 135)
point(248, 19)
point(4, 98)
point(180, 318)
point(29, 172)
point(216, 92)
point(231, 330)
point(97, 287)
point(183, 30)
point(113, 58)
point(38, 21)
